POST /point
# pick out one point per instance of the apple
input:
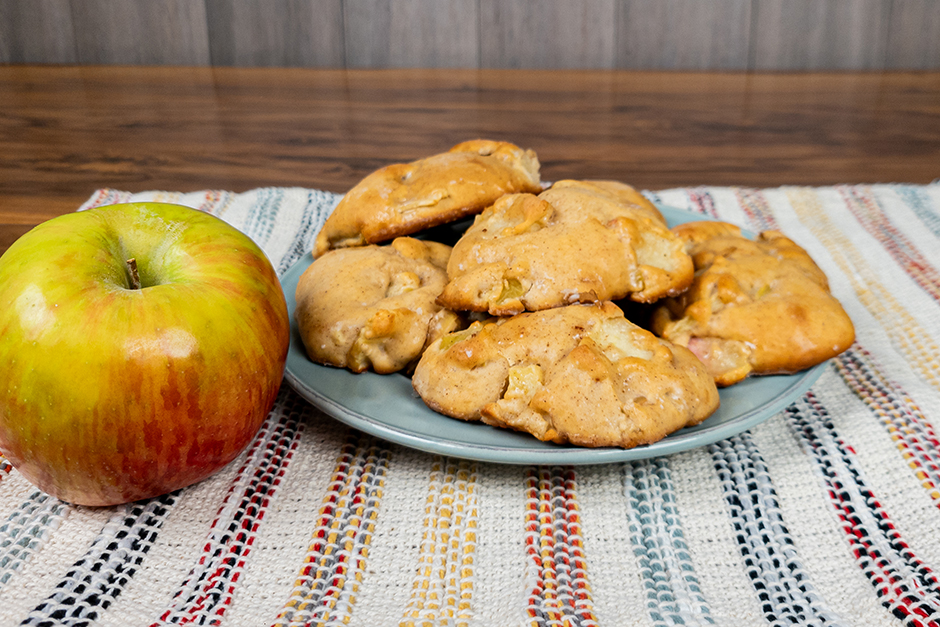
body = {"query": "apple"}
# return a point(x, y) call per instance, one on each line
point(111, 391)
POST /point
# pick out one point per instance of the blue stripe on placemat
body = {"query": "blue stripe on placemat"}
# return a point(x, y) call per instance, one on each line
point(260, 222)
point(917, 199)
point(670, 582)
point(25, 531)
point(318, 206)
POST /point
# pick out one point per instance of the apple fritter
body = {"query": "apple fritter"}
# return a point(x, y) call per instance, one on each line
point(405, 198)
point(373, 307)
point(581, 374)
point(577, 241)
point(756, 306)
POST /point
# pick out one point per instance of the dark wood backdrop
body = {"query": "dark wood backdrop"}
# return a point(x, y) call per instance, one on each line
point(628, 34)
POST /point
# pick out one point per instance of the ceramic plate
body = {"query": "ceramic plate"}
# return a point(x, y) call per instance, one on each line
point(387, 406)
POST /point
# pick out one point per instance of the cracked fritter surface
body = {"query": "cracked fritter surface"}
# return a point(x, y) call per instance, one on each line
point(582, 374)
point(373, 307)
point(404, 198)
point(755, 307)
point(578, 241)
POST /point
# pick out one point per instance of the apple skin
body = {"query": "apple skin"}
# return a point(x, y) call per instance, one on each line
point(110, 394)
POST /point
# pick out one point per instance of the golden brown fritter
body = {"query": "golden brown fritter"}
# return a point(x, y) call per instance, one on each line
point(755, 307)
point(373, 306)
point(582, 374)
point(405, 198)
point(578, 241)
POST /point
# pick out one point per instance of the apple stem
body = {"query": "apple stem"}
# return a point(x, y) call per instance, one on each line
point(135, 276)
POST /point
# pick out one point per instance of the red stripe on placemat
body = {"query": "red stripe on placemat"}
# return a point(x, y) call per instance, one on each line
point(560, 592)
point(5, 466)
point(902, 418)
point(754, 204)
point(702, 201)
point(870, 215)
point(906, 586)
point(210, 585)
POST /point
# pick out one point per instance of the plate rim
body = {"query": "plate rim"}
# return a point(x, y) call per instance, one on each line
point(676, 442)
point(568, 455)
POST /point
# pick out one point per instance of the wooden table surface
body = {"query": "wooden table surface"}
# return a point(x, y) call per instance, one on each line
point(66, 131)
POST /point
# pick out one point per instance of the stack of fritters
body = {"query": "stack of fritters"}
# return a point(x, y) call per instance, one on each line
point(516, 325)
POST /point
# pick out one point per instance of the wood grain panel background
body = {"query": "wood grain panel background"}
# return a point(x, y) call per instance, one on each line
point(631, 34)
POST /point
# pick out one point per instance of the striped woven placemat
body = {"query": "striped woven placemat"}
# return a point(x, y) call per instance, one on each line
point(826, 514)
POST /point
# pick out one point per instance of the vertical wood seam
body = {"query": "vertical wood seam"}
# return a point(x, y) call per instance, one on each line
point(889, 26)
point(752, 37)
point(76, 49)
point(344, 36)
point(479, 35)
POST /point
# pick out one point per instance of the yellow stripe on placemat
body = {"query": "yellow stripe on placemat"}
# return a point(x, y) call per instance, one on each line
point(442, 590)
point(908, 336)
point(326, 586)
point(167, 197)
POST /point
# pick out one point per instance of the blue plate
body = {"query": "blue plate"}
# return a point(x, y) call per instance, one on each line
point(388, 407)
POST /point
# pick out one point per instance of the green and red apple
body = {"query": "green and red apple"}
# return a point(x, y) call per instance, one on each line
point(142, 345)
